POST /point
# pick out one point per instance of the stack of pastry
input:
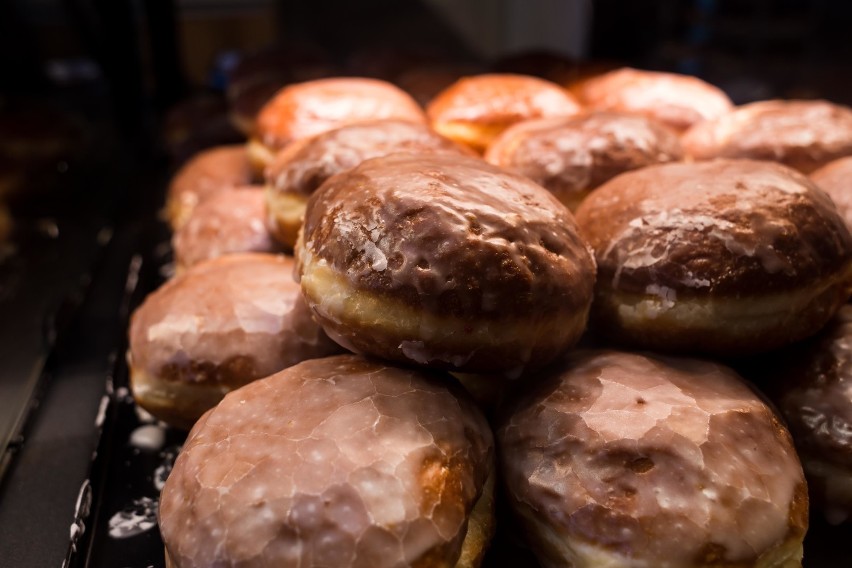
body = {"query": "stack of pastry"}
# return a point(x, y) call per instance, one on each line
point(423, 259)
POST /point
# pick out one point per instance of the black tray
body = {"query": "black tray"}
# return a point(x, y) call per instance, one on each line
point(115, 519)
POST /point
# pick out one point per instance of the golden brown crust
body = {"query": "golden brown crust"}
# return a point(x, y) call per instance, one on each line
point(474, 110)
point(219, 325)
point(335, 462)
point(453, 239)
point(804, 135)
point(573, 156)
point(313, 107)
point(207, 173)
point(835, 178)
point(713, 232)
point(620, 459)
point(228, 222)
point(678, 101)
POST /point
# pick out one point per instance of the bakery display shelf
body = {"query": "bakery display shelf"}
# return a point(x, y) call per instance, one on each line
point(115, 516)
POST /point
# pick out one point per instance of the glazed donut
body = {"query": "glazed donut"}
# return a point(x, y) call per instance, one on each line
point(814, 393)
point(617, 459)
point(679, 101)
point(728, 257)
point(302, 167)
point(804, 135)
point(572, 156)
point(447, 261)
point(835, 178)
point(219, 325)
point(227, 222)
point(475, 110)
point(207, 173)
point(313, 107)
point(334, 462)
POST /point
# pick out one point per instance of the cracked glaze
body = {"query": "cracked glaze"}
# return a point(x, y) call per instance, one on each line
point(729, 227)
point(303, 167)
point(229, 320)
point(313, 107)
point(665, 462)
point(451, 235)
point(571, 156)
point(801, 134)
point(334, 462)
point(676, 100)
point(228, 222)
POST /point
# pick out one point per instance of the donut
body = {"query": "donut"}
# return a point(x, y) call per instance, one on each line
point(475, 110)
point(835, 178)
point(217, 326)
point(813, 390)
point(678, 101)
point(572, 156)
point(334, 462)
point(229, 221)
point(804, 135)
point(446, 261)
point(313, 107)
point(207, 173)
point(730, 257)
point(302, 167)
point(619, 459)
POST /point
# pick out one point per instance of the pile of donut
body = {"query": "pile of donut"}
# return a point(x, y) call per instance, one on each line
point(527, 294)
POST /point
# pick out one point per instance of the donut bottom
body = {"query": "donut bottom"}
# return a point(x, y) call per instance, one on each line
point(477, 136)
point(260, 156)
point(285, 215)
point(555, 548)
point(717, 326)
point(480, 530)
point(371, 324)
point(177, 403)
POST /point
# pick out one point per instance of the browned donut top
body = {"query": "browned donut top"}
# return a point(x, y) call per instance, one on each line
point(304, 166)
point(232, 319)
point(835, 179)
point(229, 221)
point(729, 228)
point(677, 100)
point(334, 462)
point(654, 458)
point(572, 155)
point(500, 99)
point(802, 134)
point(451, 235)
point(310, 108)
point(816, 398)
point(208, 172)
